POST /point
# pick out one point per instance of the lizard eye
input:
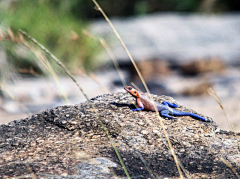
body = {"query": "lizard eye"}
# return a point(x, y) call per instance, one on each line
point(130, 88)
point(134, 92)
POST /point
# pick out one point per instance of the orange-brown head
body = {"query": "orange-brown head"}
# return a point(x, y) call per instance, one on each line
point(132, 91)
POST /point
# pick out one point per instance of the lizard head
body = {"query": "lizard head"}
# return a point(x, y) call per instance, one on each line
point(132, 91)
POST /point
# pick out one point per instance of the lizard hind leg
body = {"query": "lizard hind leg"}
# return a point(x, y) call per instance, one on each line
point(165, 113)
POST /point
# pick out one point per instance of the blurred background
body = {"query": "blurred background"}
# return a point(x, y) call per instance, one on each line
point(181, 47)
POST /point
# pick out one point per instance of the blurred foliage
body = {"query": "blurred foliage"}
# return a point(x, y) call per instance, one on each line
point(123, 8)
point(52, 24)
point(58, 24)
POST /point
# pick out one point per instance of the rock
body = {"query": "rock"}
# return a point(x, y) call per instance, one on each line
point(178, 37)
point(69, 141)
point(198, 90)
point(149, 69)
point(202, 66)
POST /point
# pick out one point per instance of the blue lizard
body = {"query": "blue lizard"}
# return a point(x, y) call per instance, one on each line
point(165, 108)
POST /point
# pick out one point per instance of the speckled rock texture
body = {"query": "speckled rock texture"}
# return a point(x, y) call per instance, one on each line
point(69, 142)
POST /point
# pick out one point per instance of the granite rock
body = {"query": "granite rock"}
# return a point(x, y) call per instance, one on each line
point(69, 142)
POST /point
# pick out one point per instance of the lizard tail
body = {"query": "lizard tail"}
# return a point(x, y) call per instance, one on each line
point(180, 113)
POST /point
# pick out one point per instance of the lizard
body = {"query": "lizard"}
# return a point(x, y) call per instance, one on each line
point(165, 109)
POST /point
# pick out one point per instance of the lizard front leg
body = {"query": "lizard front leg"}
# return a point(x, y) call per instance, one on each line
point(138, 109)
point(141, 106)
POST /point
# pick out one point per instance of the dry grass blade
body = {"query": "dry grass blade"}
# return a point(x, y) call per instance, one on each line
point(104, 44)
point(94, 77)
point(55, 59)
point(215, 96)
point(123, 44)
point(115, 148)
point(114, 173)
point(43, 61)
point(11, 35)
point(230, 166)
point(31, 175)
point(136, 87)
point(141, 157)
point(24, 108)
point(111, 55)
point(144, 83)
point(74, 80)
point(30, 170)
point(46, 63)
point(149, 122)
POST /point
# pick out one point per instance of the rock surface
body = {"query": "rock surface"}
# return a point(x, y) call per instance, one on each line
point(176, 37)
point(69, 141)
